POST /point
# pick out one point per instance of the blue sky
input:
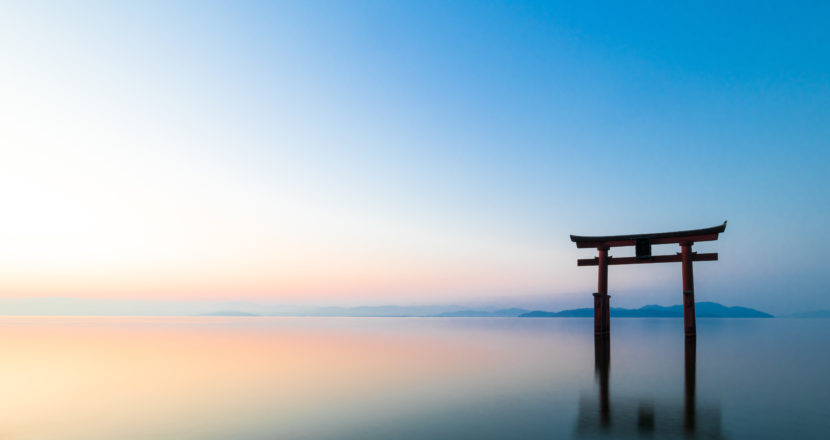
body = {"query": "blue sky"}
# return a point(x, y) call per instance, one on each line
point(392, 152)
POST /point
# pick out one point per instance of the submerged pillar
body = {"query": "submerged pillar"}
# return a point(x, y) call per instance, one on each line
point(688, 289)
point(602, 311)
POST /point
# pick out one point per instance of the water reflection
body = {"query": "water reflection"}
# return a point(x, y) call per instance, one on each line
point(625, 416)
point(602, 363)
point(91, 378)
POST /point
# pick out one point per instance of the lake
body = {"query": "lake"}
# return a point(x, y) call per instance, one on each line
point(411, 378)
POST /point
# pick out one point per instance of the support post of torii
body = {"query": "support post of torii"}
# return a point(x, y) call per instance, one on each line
point(602, 307)
point(643, 243)
point(688, 289)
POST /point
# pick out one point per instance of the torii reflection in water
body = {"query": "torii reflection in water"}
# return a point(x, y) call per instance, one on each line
point(632, 417)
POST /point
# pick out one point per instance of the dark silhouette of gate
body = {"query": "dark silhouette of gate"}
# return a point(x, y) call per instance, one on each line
point(642, 244)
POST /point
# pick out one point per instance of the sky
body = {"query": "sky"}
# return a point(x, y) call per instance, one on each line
point(360, 153)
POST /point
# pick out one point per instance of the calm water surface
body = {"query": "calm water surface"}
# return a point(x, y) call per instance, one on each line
point(411, 378)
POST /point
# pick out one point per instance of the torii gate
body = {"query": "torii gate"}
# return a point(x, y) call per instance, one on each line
point(642, 243)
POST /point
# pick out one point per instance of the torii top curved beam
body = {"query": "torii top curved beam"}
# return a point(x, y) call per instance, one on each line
point(692, 235)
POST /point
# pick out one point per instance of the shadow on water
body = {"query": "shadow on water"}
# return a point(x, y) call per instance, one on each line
point(605, 415)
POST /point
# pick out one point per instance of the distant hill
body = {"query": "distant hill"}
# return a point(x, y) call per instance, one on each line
point(229, 313)
point(387, 312)
point(503, 313)
point(702, 310)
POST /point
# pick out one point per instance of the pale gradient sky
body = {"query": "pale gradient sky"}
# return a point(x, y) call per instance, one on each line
point(393, 153)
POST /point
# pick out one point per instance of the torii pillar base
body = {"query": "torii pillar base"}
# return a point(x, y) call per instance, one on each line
point(602, 314)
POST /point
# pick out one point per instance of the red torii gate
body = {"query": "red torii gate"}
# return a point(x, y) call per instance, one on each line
point(642, 244)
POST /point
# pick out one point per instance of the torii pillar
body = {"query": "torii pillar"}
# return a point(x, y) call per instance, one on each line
point(602, 307)
point(642, 243)
point(686, 258)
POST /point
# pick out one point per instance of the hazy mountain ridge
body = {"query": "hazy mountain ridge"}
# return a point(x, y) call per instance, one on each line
point(228, 313)
point(702, 310)
point(96, 307)
point(503, 313)
point(406, 311)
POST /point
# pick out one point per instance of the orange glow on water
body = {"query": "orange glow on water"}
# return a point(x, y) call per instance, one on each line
point(184, 377)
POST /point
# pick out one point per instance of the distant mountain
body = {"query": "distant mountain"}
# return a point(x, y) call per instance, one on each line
point(812, 314)
point(229, 313)
point(702, 310)
point(386, 312)
point(503, 313)
point(374, 311)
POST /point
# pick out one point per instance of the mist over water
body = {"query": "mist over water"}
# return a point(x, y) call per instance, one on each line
point(411, 378)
